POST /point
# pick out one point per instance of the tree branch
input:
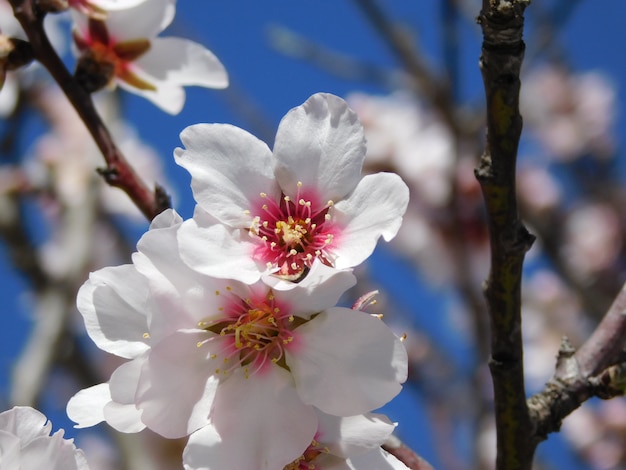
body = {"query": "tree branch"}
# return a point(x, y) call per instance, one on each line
point(502, 23)
point(596, 369)
point(118, 172)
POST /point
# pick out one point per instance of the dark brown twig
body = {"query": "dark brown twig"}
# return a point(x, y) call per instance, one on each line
point(502, 23)
point(118, 172)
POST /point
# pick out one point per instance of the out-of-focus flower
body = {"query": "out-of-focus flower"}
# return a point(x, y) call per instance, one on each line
point(281, 211)
point(593, 239)
point(124, 49)
point(26, 443)
point(405, 137)
point(571, 114)
point(251, 361)
point(63, 161)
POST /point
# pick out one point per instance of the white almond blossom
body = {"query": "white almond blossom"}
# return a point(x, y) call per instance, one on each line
point(26, 443)
point(250, 360)
point(125, 50)
point(279, 211)
point(348, 443)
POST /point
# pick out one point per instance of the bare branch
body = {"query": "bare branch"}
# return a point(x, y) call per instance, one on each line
point(502, 23)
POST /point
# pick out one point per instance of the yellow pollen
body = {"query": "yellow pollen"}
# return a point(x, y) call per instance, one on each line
point(276, 310)
point(294, 266)
point(293, 252)
point(330, 203)
point(268, 264)
point(199, 344)
point(217, 292)
point(228, 288)
point(378, 315)
point(263, 195)
point(287, 198)
point(403, 337)
point(327, 217)
point(213, 356)
point(264, 207)
point(299, 184)
point(302, 202)
point(146, 335)
point(291, 318)
point(247, 212)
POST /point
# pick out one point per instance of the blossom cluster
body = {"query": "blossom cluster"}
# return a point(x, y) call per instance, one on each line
point(117, 43)
point(229, 320)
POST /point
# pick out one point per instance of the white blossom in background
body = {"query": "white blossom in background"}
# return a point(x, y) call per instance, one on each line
point(251, 362)
point(125, 49)
point(26, 443)
point(406, 137)
point(571, 114)
point(280, 211)
point(402, 134)
point(593, 239)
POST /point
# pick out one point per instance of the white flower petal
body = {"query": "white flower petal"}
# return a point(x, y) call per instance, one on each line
point(321, 288)
point(374, 208)
point(86, 408)
point(123, 418)
point(10, 450)
point(25, 422)
point(218, 251)
point(52, 453)
point(168, 96)
point(113, 304)
point(143, 21)
point(343, 373)
point(112, 5)
point(353, 435)
point(182, 62)
point(321, 144)
point(377, 459)
point(256, 424)
point(170, 64)
point(177, 388)
point(229, 169)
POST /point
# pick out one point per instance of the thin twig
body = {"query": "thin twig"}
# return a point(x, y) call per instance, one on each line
point(118, 172)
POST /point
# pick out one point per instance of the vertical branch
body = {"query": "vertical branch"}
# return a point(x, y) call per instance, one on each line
point(118, 172)
point(501, 59)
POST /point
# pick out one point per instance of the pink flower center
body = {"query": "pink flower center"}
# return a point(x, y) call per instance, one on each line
point(294, 233)
point(257, 333)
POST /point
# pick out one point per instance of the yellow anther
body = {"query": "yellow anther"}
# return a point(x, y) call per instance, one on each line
point(287, 199)
point(146, 335)
point(263, 195)
point(217, 292)
point(299, 184)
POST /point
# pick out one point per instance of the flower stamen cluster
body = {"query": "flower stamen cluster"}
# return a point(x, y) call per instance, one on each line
point(306, 460)
point(257, 332)
point(294, 233)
